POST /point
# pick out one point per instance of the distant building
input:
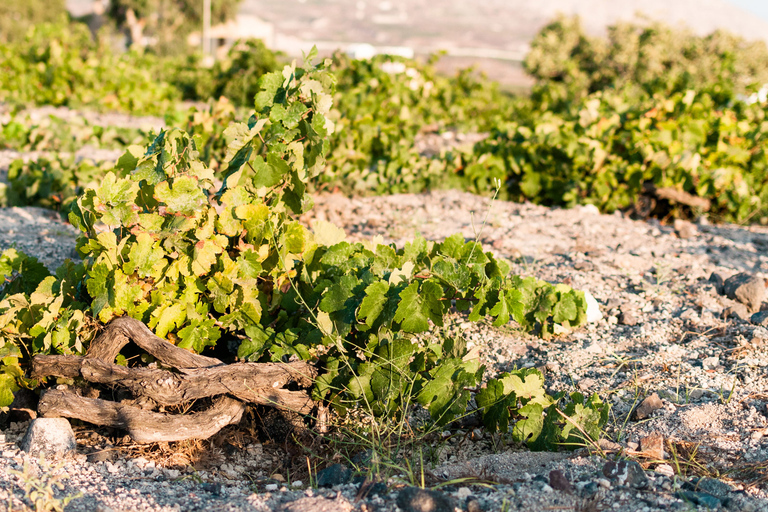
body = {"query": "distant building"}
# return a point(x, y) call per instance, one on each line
point(362, 51)
point(244, 26)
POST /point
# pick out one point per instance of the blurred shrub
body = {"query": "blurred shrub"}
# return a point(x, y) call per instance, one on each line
point(17, 16)
point(61, 65)
point(384, 105)
point(654, 57)
point(235, 77)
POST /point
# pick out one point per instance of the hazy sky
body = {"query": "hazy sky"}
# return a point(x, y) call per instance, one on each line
point(759, 7)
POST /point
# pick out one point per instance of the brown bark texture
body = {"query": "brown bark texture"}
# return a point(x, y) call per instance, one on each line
point(196, 377)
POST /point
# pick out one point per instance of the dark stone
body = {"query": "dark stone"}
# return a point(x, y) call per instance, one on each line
point(647, 406)
point(626, 472)
point(559, 482)
point(699, 498)
point(760, 318)
point(336, 474)
point(717, 280)
point(629, 315)
point(590, 489)
point(369, 488)
point(712, 486)
point(214, 488)
point(378, 489)
point(745, 288)
point(413, 499)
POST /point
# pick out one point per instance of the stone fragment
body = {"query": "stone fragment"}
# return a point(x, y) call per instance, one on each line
point(712, 486)
point(586, 266)
point(699, 498)
point(652, 446)
point(375, 489)
point(647, 406)
point(102, 456)
point(318, 504)
point(760, 318)
point(665, 469)
point(215, 488)
point(745, 288)
point(736, 310)
point(413, 499)
point(335, 474)
point(473, 505)
point(629, 315)
point(49, 436)
point(608, 446)
point(559, 482)
point(593, 308)
point(685, 229)
point(717, 280)
point(594, 348)
point(626, 472)
point(463, 493)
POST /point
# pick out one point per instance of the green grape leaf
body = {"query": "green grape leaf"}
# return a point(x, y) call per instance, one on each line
point(527, 384)
point(205, 256)
point(327, 234)
point(199, 335)
point(7, 388)
point(373, 302)
point(167, 318)
point(417, 307)
point(494, 405)
point(509, 305)
point(143, 256)
point(528, 428)
point(565, 309)
point(183, 196)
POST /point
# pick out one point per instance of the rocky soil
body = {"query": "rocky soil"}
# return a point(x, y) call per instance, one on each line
point(670, 339)
point(679, 353)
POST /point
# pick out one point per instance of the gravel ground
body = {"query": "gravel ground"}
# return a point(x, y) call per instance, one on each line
point(663, 337)
point(670, 339)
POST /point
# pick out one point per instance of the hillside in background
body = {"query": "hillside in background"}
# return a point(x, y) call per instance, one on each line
point(498, 24)
point(493, 33)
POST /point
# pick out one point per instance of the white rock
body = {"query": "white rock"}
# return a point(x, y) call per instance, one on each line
point(665, 469)
point(593, 308)
point(297, 483)
point(270, 487)
point(590, 209)
point(463, 492)
point(48, 436)
point(594, 348)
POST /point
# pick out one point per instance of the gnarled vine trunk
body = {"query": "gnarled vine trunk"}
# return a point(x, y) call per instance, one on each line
point(196, 377)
